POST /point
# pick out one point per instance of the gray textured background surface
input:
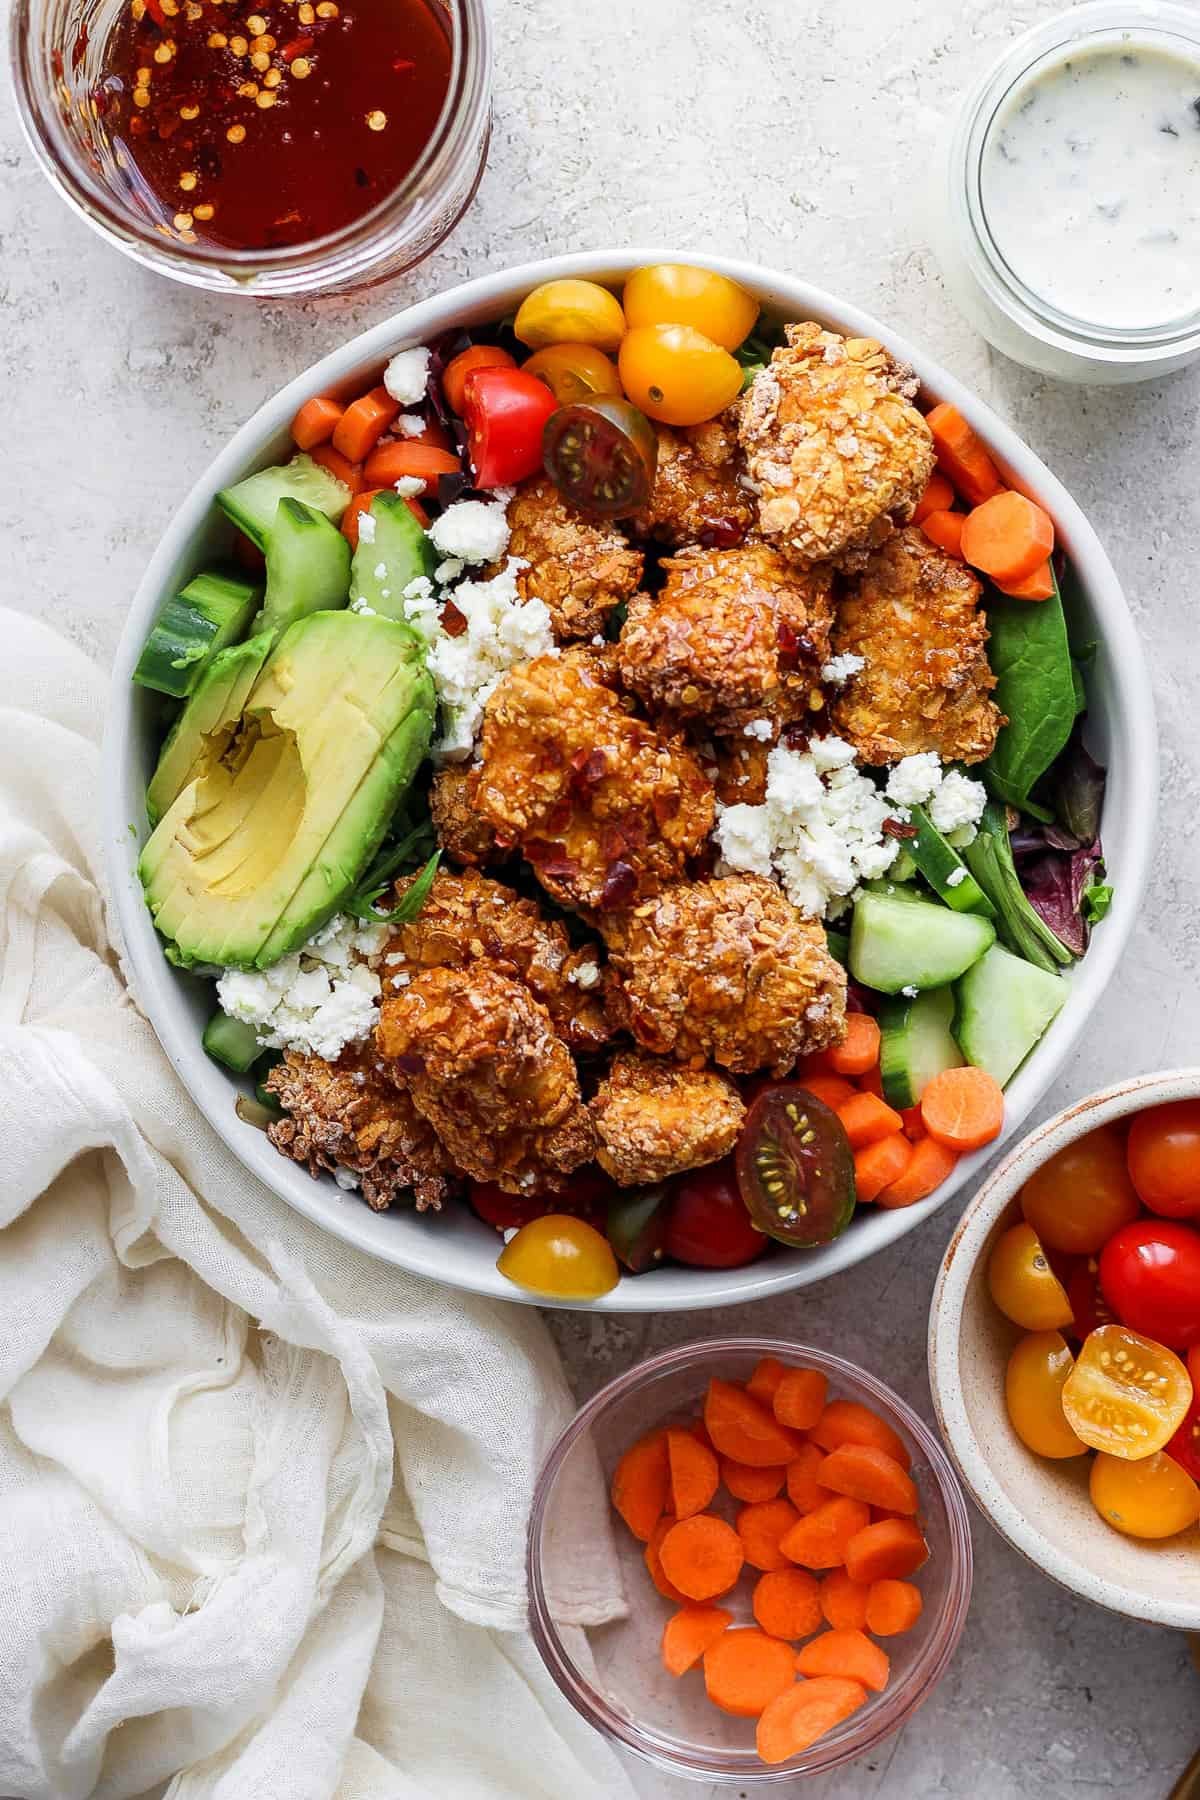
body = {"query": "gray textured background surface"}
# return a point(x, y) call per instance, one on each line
point(797, 132)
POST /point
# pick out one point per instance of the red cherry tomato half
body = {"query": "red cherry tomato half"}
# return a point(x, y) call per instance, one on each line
point(1164, 1158)
point(709, 1226)
point(505, 412)
point(586, 1196)
point(1150, 1276)
point(1185, 1445)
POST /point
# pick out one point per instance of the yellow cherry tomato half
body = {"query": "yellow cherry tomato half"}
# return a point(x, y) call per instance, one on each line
point(1077, 1199)
point(677, 375)
point(1126, 1394)
point(574, 371)
point(1023, 1284)
point(561, 1257)
point(680, 294)
point(570, 312)
point(1153, 1498)
point(1033, 1388)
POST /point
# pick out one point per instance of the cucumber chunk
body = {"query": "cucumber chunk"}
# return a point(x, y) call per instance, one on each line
point(1003, 1007)
point(251, 503)
point(400, 549)
point(213, 610)
point(899, 943)
point(232, 1042)
point(944, 869)
point(308, 567)
point(917, 1044)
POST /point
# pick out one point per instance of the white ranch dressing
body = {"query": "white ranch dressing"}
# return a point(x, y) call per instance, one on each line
point(1090, 183)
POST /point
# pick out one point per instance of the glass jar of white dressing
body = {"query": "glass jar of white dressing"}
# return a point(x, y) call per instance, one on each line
point(1070, 220)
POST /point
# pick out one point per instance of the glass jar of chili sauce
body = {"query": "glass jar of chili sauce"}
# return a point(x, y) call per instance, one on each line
point(268, 146)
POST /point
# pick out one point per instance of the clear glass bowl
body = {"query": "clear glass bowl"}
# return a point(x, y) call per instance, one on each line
point(55, 47)
point(627, 1694)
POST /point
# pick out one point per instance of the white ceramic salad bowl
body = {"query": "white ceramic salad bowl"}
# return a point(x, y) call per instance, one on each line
point(459, 1249)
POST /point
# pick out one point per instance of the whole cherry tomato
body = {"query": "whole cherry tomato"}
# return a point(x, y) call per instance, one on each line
point(1151, 1498)
point(677, 375)
point(570, 312)
point(560, 1257)
point(1033, 1387)
point(1164, 1158)
point(586, 1195)
point(709, 1227)
point(1127, 1394)
point(1150, 1276)
point(1022, 1283)
point(574, 371)
point(680, 294)
point(1077, 1199)
point(505, 412)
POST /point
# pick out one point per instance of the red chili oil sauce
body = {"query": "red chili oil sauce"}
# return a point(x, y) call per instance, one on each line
point(259, 126)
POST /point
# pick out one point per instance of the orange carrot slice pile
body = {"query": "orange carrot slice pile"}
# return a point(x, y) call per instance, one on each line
point(745, 1669)
point(702, 1556)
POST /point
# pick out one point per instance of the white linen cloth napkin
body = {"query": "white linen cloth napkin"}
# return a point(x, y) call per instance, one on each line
point(262, 1499)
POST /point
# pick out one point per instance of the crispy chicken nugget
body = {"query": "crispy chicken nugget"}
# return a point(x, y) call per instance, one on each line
point(656, 1118)
point(836, 451)
point(697, 497)
point(739, 770)
point(480, 1059)
point(580, 567)
point(914, 616)
point(468, 922)
point(736, 639)
point(602, 805)
point(348, 1115)
point(725, 970)
point(463, 833)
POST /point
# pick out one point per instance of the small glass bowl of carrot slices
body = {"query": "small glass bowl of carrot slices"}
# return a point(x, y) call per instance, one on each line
point(795, 1554)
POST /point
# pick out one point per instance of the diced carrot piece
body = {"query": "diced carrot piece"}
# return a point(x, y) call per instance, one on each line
point(914, 1124)
point(892, 1607)
point(804, 1490)
point(1038, 586)
point(768, 1373)
point(864, 1472)
point(760, 1526)
point(360, 504)
point(850, 1422)
point(1009, 537)
point(938, 497)
point(693, 1471)
point(819, 1539)
point(641, 1482)
point(859, 1049)
point(889, 1550)
point(339, 466)
point(475, 356)
point(867, 1119)
point(848, 1653)
point(803, 1713)
point(834, 1090)
point(653, 1562)
point(702, 1556)
point(742, 1428)
point(363, 424)
point(393, 462)
point(929, 1165)
point(787, 1603)
point(745, 1669)
point(843, 1602)
point(688, 1633)
point(314, 423)
point(800, 1398)
point(745, 1483)
point(963, 1108)
point(961, 455)
point(877, 1165)
point(945, 530)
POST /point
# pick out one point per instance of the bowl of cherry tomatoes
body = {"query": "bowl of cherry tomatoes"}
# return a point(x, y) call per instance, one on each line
point(1064, 1348)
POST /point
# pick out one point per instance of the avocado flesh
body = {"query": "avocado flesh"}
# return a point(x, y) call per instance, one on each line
point(207, 722)
point(280, 819)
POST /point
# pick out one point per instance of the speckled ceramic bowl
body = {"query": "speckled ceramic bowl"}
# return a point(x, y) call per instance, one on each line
point(1042, 1507)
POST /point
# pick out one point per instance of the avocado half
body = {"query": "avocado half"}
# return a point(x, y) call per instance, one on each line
point(279, 782)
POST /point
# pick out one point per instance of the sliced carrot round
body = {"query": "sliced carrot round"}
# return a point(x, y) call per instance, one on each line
point(742, 1428)
point(864, 1472)
point(314, 423)
point(843, 1602)
point(760, 1527)
point(963, 1108)
point(768, 1373)
point(745, 1483)
point(892, 1607)
point(393, 462)
point(804, 1490)
point(848, 1653)
point(850, 1422)
point(695, 1475)
point(745, 1669)
point(800, 1398)
point(803, 1713)
point(653, 1562)
point(938, 497)
point(702, 1556)
point(859, 1049)
point(640, 1484)
point(945, 530)
point(891, 1549)
point(929, 1165)
point(819, 1539)
point(787, 1603)
point(688, 1633)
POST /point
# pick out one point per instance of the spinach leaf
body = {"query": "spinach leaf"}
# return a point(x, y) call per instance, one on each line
point(1096, 901)
point(990, 860)
point(408, 907)
point(1035, 687)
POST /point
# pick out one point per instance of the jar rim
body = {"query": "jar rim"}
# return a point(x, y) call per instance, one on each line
point(1094, 23)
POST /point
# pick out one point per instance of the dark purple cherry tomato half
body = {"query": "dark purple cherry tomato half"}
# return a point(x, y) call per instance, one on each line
point(708, 1226)
point(795, 1168)
point(601, 455)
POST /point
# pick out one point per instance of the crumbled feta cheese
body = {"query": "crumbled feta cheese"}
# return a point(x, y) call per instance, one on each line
point(366, 528)
point(838, 670)
point(914, 779)
point(346, 1179)
point(501, 631)
point(409, 486)
point(421, 608)
point(586, 975)
point(762, 729)
point(317, 1000)
point(509, 1233)
point(472, 530)
point(958, 801)
point(360, 606)
point(830, 753)
point(599, 641)
point(401, 981)
point(380, 571)
point(409, 425)
point(450, 570)
point(955, 876)
point(407, 375)
point(910, 992)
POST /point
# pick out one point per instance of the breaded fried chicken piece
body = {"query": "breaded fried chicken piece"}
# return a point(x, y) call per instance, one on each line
point(836, 451)
point(735, 637)
point(656, 1118)
point(697, 498)
point(346, 1114)
point(739, 770)
point(468, 922)
point(463, 833)
point(602, 805)
point(725, 970)
point(480, 1060)
point(914, 616)
point(580, 567)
